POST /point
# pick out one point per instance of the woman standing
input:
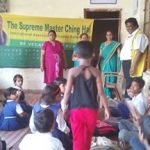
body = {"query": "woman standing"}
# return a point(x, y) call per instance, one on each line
point(83, 37)
point(108, 59)
point(53, 59)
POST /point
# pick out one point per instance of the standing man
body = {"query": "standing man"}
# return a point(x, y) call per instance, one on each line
point(133, 53)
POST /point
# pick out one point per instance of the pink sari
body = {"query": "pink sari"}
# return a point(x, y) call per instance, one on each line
point(53, 61)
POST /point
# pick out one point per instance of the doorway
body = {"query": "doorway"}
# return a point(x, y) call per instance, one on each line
point(147, 28)
point(104, 19)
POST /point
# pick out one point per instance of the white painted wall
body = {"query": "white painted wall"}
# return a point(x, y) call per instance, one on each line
point(61, 9)
point(33, 78)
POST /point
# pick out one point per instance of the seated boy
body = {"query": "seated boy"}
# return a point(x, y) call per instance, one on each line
point(140, 142)
point(138, 100)
point(42, 139)
point(138, 107)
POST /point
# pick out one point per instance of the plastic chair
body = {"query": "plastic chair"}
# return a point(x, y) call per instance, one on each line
point(118, 87)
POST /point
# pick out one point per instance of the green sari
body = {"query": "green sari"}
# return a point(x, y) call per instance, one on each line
point(109, 62)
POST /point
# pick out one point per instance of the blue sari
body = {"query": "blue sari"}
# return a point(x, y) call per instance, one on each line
point(109, 62)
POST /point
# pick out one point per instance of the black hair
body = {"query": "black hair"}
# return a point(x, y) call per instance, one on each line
point(16, 77)
point(133, 21)
point(53, 31)
point(140, 81)
point(59, 81)
point(9, 91)
point(84, 49)
point(49, 93)
point(44, 120)
point(109, 31)
point(84, 34)
point(145, 127)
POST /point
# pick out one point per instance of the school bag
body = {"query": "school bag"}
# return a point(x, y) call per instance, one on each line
point(104, 128)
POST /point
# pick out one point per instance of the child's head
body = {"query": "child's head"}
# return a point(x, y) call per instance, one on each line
point(137, 85)
point(84, 49)
point(61, 82)
point(10, 93)
point(44, 120)
point(18, 80)
point(50, 94)
point(144, 132)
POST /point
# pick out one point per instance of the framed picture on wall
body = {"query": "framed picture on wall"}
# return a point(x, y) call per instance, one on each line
point(103, 1)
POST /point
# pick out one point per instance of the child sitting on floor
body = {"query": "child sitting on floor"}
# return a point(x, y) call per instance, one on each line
point(18, 81)
point(138, 99)
point(61, 82)
point(138, 105)
point(50, 99)
point(12, 116)
point(135, 142)
point(42, 139)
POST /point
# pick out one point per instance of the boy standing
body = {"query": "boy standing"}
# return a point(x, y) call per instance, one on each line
point(87, 84)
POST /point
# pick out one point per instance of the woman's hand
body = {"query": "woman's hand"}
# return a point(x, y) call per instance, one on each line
point(42, 68)
point(132, 71)
point(118, 51)
point(65, 66)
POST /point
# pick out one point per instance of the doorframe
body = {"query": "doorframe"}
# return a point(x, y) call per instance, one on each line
point(106, 10)
point(147, 29)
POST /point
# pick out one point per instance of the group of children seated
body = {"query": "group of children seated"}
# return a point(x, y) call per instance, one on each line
point(135, 112)
point(44, 117)
point(48, 121)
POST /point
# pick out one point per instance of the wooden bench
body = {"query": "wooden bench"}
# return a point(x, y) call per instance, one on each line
point(13, 138)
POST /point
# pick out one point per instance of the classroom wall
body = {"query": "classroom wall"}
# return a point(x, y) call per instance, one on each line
point(62, 9)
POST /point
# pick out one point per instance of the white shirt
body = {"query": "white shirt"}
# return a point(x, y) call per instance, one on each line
point(40, 141)
point(140, 42)
point(140, 103)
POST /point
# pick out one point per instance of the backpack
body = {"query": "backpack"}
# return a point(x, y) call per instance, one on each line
point(104, 128)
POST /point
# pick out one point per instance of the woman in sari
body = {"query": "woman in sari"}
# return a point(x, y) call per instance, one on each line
point(53, 59)
point(108, 60)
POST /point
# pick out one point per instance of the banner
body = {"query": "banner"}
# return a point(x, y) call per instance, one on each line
point(22, 37)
